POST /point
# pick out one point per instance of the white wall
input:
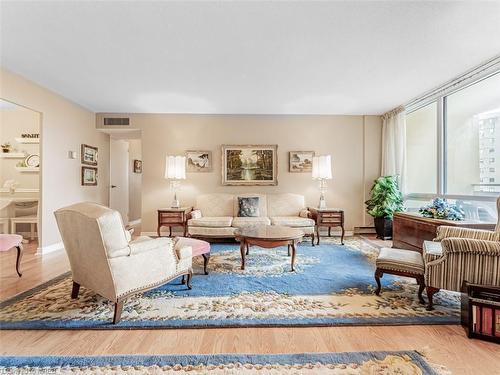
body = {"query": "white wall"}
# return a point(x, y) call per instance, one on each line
point(65, 126)
point(353, 142)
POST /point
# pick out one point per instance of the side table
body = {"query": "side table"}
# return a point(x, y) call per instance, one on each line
point(330, 218)
point(173, 217)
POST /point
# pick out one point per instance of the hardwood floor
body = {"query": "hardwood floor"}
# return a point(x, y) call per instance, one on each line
point(446, 345)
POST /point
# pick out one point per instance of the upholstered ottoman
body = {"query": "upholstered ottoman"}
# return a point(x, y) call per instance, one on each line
point(400, 262)
point(198, 247)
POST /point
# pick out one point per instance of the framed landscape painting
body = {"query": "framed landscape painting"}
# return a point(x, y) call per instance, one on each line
point(249, 165)
point(198, 161)
point(89, 155)
point(301, 161)
point(89, 176)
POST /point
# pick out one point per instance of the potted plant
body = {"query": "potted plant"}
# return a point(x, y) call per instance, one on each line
point(386, 198)
point(6, 147)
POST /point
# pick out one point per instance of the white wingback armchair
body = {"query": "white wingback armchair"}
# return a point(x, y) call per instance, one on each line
point(103, 257)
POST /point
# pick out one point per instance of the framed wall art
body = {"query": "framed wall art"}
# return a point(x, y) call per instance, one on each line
point(137, 166)
point(89, 155)
point(198, 161)
point(249, 165)
point(89, 176)
point(300, 161)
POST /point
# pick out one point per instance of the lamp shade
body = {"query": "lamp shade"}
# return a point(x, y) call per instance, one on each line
point(175, 167)
point(322, 167)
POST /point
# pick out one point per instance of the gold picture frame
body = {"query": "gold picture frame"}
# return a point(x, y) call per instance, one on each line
point(300, 161)
point(199, 161)
point(249, 165)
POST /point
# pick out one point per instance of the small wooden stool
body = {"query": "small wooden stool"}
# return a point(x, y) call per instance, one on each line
point(10, 241)
point(401, 262)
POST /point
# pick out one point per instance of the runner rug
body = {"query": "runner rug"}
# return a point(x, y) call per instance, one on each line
point(400, 362)
point(332, 285)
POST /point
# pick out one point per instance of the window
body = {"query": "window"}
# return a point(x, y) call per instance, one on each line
point(472, 116)
point(421, 149)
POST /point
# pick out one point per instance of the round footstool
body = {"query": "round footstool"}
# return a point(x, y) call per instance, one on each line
point(400, 262)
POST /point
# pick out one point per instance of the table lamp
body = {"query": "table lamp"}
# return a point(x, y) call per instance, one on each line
point(322, 171)
point(175, 171)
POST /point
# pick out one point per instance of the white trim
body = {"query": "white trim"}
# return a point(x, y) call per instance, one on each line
point(20, 190)
point(50, 248)
point(134, 222)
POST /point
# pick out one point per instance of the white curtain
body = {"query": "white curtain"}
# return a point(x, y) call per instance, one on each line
point(394, 145)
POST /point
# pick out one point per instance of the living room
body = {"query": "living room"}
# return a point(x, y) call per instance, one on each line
point(249, 187)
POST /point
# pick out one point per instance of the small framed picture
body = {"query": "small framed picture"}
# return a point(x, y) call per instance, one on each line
point(301, 161)
point(137, 166)
point(89, 155)
point(198, 161)
point(89, 176)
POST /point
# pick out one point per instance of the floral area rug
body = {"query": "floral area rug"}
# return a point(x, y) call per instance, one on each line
point(407, 362)
point(331, 285)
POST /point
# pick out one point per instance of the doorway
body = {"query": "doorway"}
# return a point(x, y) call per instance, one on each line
point(125, 176)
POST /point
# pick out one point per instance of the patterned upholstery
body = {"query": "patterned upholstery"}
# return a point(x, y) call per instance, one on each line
point(467, 255)
point(262, 203)
point(214, 221)
point(239, 222)
point(215, 204)
point(285, 204)
point(400, 260)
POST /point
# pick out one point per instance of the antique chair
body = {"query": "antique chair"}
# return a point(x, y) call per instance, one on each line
point(103, 257)
point(11, 241)
point(461, 254)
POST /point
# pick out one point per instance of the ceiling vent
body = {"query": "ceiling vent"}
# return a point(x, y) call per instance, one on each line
point(116, 121)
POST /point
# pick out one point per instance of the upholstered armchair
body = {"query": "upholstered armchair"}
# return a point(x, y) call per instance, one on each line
point(103, 257)
point(461, 254)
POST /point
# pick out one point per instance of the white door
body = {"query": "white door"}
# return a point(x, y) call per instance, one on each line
point(118, 177)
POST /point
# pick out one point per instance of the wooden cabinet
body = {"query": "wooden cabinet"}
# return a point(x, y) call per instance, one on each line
point(330, 218)
point(173, 217)
point(410, 230)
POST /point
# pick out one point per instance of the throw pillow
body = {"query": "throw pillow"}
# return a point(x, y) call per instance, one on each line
point(248, 207)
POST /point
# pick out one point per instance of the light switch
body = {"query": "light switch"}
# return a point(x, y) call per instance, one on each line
point(71, 154)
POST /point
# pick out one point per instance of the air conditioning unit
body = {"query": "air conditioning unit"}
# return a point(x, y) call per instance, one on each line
point(116, 121)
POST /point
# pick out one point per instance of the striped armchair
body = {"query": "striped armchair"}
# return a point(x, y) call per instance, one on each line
point(461, 254)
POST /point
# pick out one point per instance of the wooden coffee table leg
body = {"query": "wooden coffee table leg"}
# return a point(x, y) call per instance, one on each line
point(242, 251)
point(293, 255)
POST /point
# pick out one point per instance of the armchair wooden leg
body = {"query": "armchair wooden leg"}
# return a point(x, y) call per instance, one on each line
point(206, 258)
point(430, 293)
point(312, 239)
point(183, 280)
point(289, 252)
point(248, 249)
point(421, 287)
point(75, 290)
point(189, 278)
point(378, 275)
point(18, 260)
point(118, 312)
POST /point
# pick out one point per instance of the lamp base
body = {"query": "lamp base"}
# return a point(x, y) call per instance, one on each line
point(175, 204)
point(322, 203)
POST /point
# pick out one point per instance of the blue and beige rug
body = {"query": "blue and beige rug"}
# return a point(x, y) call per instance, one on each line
point(400, 362)
point(332, 285)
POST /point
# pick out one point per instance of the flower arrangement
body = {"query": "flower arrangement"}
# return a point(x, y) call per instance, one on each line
point(441, 209)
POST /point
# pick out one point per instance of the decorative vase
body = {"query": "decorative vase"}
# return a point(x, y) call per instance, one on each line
point(383, 227)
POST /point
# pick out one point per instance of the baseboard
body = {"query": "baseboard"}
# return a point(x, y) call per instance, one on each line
point(50, 248)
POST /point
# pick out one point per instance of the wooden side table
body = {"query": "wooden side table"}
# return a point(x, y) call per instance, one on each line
point(173, 217)
point(330, 218)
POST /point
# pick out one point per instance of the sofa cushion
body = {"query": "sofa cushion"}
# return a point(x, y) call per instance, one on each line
point(211, 232)
point(262, 203)
point(400, 260)
point(292, 221)
point(239, 222)
point(248, 207)
point(215, 204)
point(284, 204)
point(212, 221)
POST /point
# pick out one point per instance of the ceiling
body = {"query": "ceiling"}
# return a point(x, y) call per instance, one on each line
point(246, 57)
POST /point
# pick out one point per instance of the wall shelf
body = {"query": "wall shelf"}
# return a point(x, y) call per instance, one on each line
point(27, 140)
point(28, 169)
point(12, 155)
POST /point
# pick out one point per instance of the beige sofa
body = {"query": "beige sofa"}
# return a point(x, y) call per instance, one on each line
point(216, 215)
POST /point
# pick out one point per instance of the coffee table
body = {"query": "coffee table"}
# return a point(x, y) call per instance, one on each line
point(268, 236)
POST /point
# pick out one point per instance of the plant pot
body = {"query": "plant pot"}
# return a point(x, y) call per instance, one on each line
point(383, 227)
